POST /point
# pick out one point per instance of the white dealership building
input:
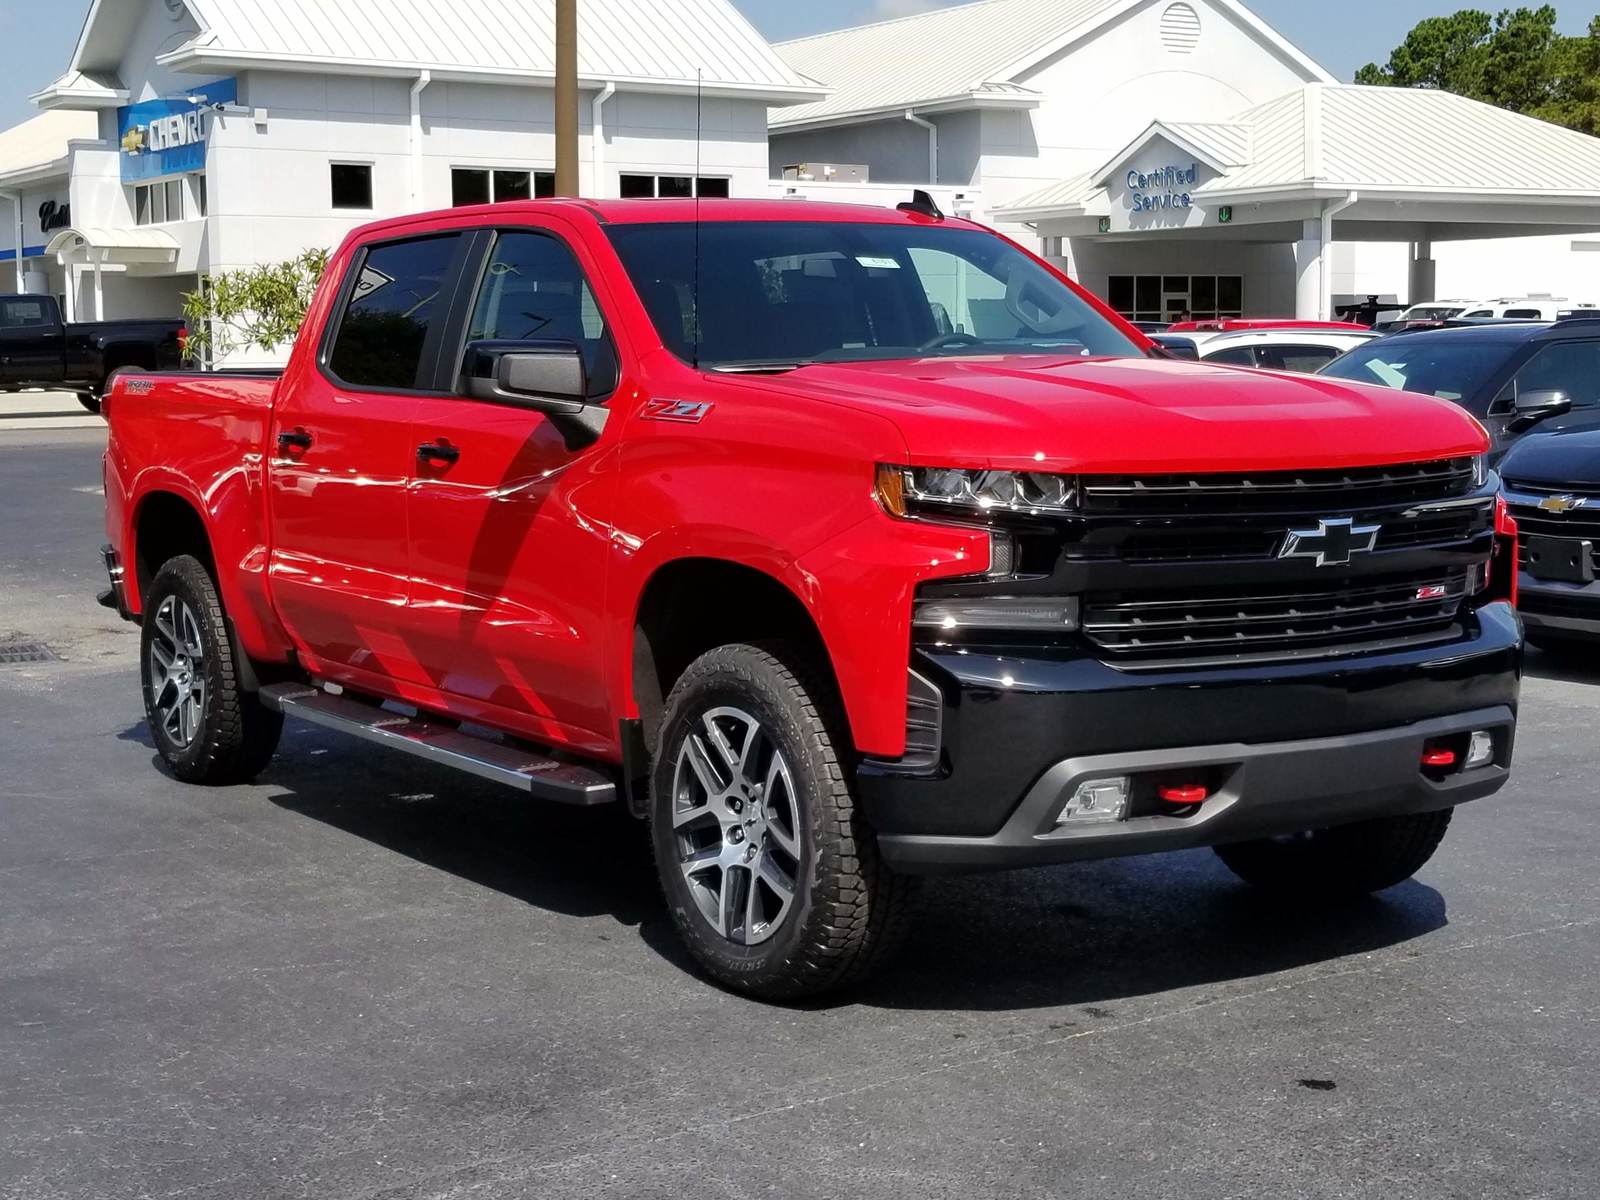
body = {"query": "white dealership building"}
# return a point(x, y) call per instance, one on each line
point(227, 133)
point(1181, 155)
point(1172, 154)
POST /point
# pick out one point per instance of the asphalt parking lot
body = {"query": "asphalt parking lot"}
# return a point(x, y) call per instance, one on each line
point(365, 977)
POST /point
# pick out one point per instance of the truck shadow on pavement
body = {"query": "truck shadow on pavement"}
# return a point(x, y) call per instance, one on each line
point(1580, 664)
point(1087, 934)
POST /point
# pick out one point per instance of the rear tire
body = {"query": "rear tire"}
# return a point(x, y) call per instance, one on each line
point(92, 403)
point(771, 872)
point(207, 727)
point(1346, 861)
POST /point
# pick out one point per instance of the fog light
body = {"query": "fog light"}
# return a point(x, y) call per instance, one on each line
point(1013, 614)
point(1098, 800)
point(1480, 749)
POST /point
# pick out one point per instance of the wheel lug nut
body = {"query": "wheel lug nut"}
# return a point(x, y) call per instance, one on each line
point(736, 835)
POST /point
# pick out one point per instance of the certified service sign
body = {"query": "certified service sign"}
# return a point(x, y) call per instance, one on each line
point(168, 137)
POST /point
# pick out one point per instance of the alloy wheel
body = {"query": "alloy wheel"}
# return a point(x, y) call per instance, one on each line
point(176, 671)
point(736, 823)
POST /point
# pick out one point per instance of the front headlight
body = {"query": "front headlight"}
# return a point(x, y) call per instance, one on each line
point(1480, 470)
point(946, 491)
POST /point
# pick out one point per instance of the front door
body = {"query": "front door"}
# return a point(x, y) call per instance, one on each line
point(343, 456)
point(509, 522)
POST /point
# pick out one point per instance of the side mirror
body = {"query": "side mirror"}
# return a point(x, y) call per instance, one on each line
point(544, 376)
point(1532, 407)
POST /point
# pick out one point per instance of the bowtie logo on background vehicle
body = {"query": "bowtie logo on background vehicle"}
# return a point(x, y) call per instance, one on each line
point(1332, 543)
point(1562, 504)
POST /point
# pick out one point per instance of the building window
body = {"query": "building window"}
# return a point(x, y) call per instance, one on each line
point(1167, 297)
point(352, 185)
point(649, 187)
point(481, 185)
point(202, 202)
point(158, 203)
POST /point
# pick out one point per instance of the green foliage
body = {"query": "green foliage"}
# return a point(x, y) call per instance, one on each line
point(262, 307)
point(1515, 60)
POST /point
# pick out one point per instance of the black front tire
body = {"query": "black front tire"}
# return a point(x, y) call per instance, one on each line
point(847, 911)
point(1339, 863)
point(233, 735)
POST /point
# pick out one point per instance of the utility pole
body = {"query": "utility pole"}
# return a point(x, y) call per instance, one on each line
point(566, 97)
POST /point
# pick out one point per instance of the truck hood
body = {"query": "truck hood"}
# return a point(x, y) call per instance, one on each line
point(1115, 416)
point(1565, 458)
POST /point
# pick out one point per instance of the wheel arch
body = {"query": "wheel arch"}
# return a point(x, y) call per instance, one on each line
point(691, 605)
point(164, 525)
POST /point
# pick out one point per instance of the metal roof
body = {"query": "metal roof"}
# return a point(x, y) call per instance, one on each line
point(36, 146)
point(641, 45)
point(1375, 140)
point(935, 58)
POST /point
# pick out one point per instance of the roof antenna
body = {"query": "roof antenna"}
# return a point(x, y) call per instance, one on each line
point(922, 203)
point(699, 92)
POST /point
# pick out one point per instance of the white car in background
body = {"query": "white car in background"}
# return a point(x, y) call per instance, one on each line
point(1527, 308)
point(1435, 310)
point(1302, 350)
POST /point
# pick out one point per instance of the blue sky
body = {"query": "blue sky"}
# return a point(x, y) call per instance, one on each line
point(1342, 36)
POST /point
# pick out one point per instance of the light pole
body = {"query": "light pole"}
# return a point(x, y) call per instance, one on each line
point(566, 97)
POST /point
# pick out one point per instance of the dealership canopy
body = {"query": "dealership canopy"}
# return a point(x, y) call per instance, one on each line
point(1333, 162)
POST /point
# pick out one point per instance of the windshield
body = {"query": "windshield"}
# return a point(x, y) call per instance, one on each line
point(1451, 370)
point(781, 294)
point(1434, 312)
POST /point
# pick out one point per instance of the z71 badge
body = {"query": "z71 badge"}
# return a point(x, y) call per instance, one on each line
point(677, 410)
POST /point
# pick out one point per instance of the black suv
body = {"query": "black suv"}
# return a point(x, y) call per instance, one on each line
point(1513, 378)
point(1553, 486)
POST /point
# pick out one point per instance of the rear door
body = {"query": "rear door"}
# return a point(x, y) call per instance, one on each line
point(32, 345)
point(343, 457)
point(508, 519)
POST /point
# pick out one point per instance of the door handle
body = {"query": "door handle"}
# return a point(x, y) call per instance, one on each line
point(294, 441)
point(438, 452)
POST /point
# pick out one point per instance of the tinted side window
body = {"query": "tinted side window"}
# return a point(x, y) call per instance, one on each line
point(1236, 356)
point(393, 305)
point(1571, 368)
point(1524, 313)
point(17, 314)
point(1307, 360)
point(534, 290)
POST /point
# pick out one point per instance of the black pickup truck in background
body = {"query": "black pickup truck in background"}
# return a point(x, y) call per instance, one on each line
point(39, 350)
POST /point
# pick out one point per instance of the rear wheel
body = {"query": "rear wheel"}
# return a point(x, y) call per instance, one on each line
point(90, 401)
point(771, 872)
point(206, 726)
point(1348, 860)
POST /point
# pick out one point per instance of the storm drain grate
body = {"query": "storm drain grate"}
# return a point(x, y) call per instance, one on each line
point(15, 653)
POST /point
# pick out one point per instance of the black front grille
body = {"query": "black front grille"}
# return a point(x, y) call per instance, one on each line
point(1581, 522)
point(1225, 626)
point(1279, 491)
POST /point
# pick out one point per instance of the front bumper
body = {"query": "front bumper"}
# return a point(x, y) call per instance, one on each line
point(1566, 609)
point(1292, 746)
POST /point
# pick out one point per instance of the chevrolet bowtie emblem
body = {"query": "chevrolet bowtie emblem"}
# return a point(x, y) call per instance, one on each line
point(133, 143)
point(1562, 504)
point(1331, 543)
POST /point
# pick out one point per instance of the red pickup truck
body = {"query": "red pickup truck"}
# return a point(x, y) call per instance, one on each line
point(842, 545)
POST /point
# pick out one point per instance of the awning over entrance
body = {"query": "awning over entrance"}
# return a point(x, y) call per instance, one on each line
point(1334, 162)
point(100, 250)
